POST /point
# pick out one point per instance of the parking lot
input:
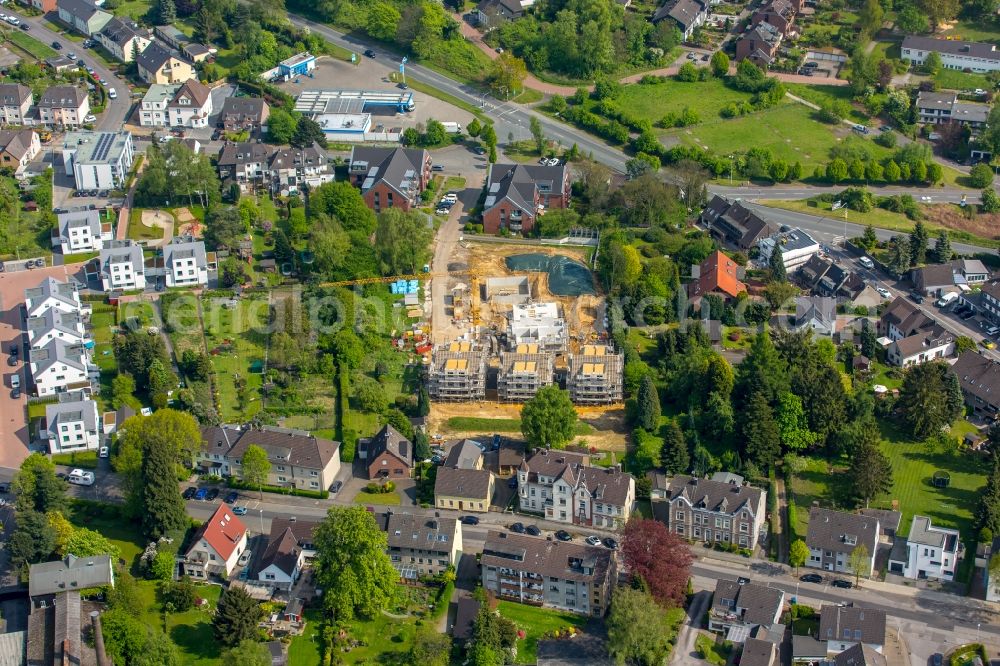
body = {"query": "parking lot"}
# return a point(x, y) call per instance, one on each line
point(333, 74)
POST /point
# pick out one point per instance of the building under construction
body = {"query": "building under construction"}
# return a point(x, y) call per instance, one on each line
point(522, 372)
point(457, 373)
point(595, 376)
point(538, 323)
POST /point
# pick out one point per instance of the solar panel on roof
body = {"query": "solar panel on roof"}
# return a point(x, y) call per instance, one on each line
point(103, 146)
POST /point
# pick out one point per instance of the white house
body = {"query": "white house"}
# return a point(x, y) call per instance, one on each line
point(60, 366)
point(81, 230)
point(796, 248)
point(153, 109)
point(185, 104)
point(72, 424)
point(185, 263)
point(122, 266)
point(98, 160)
point(15, 100)
point(927, 345)
point(563, 486)
point(56, 325)
point(834, 535)
point(844, 626)
point(928, 552)
point(289, 548)
point(217, 546)
point(51, 293)
point(63, 106)
point(83, 16)
point(123, 39)
point(975, 56)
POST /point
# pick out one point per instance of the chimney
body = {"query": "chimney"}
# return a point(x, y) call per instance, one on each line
point(102, 655)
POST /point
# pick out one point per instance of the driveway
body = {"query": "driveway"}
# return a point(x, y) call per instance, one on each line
point(684, 652)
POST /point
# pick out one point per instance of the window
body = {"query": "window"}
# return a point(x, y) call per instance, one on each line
point(680, 515)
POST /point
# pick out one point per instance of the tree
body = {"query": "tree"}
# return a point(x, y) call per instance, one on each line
point(870, 18)
point(430, 648)
point(475, 127)
point(988, 509)
point(762, 439)
point(981, 176)
point(939, 11)
point(720, 64)
point(401, 241)
point(942, 248)
point(37, 487)
point(383, 21)
point(638, 632)
point(911, 21)
point(280, 126)
point(647, 405)
point(892, 172)
point(343, 202)
point(792, 425)
point(674, 456)
point(255, 468)
point(899, 255)
point(869, 240)
point(871, 471)
point(836, 170)
point(795, 171)
point(658, 557)
point(181, 594)
point(537, 134)
point(548, 419)
point(860, 562)
point(507, 76)
point(123, 391)
point(163, 512)
point(798, 553)
point(86, 543)
point(351, 565)
point(918, 244)
point(930, 398)
point(494, 638)
point(687, 73)
point(776, 264)
point(991, 202)
point(34, 540)
point(307, 132)
point(166, 12)
point(234, 272)
point(856, 169)
point(236, 617)
point(247, 653)
point(371, 396)
point(163, 567)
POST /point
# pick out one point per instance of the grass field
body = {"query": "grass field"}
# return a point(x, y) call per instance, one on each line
point(30, 45)
point(952, 79)
point(386, 499)
point(304, 650)
point(536, 622)
point(472, 423)
point(139, 231)
point(973, 31)
point(655, 101)
point(230, 334)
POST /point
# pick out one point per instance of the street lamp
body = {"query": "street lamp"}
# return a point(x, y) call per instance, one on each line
point(978, 625)
point(731, 170)
point(261, 512)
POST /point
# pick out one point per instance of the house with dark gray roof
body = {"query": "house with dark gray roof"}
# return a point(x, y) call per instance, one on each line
point(816, 313)
point(964, 56)
point(81, 230)
point(740, 606)
point(83, 16)
point(734, 224)
point(63, 106)
point(716, 511)
point(122, 266)
point(860, 655)
point(15, 100)
point(758, 652)
point(390, 177)
point(56, 325)
point(687, 15)
point(156, 64)
point(516, 194)
point(387, 455)
point(465, 454)
point(298, 458)
point(843, 626)
point(833, 536)
point(185, 263)
point(979, 378)
point(421, 545)
point(281, 564)
point(934, 279)
point(463, 489)
point(123, 39)
point(759, 45)
point(18, 148)
point(72, 424)
point(564, 486)
point(72, 573)
point(61, 366)
point(915, 337)
point(241, 114)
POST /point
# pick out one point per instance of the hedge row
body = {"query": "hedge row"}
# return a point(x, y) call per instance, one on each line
point(279, 490)
point(610, 110)
point(348, 440)
point(82, 459)
point(611, 130)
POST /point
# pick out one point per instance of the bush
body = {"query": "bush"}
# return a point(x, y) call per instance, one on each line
point(279, 490)
point(82, 459)
point(886, 139)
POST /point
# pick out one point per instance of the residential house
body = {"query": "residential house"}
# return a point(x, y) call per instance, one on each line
point(927, 552)
point(245, 163)
point(18, 148)
point(49, 294)
point(797, 247)
point(860, 655)
point(463, 489)
point(595, 376)
point(55, 325)
point(81, 230)
point(934, 107)
point(844, 626)
point(719, 275)
point(817, 313)
point(934, 279)
point(834, 535)
point(962, 56)
point(241, 114)
point(457, 372)
point(902, 319)
point(61, 366)
point(47, 580)
point(171, 36)
point(492, 13)
point(123, 39)
point(63, 106)
point(554, 574)
point(989, 304)
point(387, 455)
point(45, 6)
point(973, 270)
point(280, 170)
point(778, 13)
point(15, 100)
point(740, 606)
point(158, 65)
point(390, 177)
point(926, 345)
point(759, 652)
point(72, 424)
point(185, 263)
point(421, 545)
point(516, 194)
point(734, 224)
point(191, 105)
point(979, 378)
point(289, 548)
point(298, 458)
point(687, 15)
point(570, 491)
point(759, 45)
point(83, 16)
point(98, 160)
point(216, 546)
point(197, 52)
point(709, 510)
point(122, 266)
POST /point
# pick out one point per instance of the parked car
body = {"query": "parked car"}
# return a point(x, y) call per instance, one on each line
point(244, 557)
point(201, 494)
point(25, 26)
point(610, 543)
point(240, 510)
point(867, 262)
point(883, 292)
point(71, 55)
point(563, 535)
point(533, 530)
point(841, 583)
point(369, 53)
point(15, 381)
point(451, 198)
point(442, 211)
point(517, 527)
point(90, 118)
point(212, 494)
point(103, 452)
point(917, 298)
point(470, 520)
point(593, 540)
point(57, 46)
point(231, 497)
point(437, 167)
point(937, 659)
point(79, 477)
point(811, 578)
point(189, 492)
point(987, 343)
point(335, 488)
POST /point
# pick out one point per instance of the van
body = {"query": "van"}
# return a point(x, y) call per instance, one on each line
point(15, 381)
point(867, 262)
point(79, 477)
point(946, 299)
point(112, 93)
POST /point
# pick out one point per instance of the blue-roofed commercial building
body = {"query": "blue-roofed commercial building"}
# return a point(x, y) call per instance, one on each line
point(299, 64)
point(98, 160)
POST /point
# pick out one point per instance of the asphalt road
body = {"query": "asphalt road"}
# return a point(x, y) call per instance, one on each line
point(117, 109)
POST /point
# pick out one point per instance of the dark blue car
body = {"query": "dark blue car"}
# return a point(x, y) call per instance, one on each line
point(232, 496)
point(201, 495)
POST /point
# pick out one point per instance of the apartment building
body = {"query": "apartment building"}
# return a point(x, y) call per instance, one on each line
point(595, 376)
point(734, 224)
point(49, 294)
point(915, 337)
point(63, 106)
point(122, 266)
point(244, 114)
point(278, 170)
point(15, 100)
point(421, 545)
point(978, 376)
point(98, 160)
point(216, 546)
point(81, 230)
point(72, 424)
point(833, 536)
point(842, 627)
point(390, 177)
point(56, 325)
point(185, 263)
point(60, 366)
point(714, 510)
point(928, 552)
point(796, 245)
point(523, 371)
point(516, 194)
point(298, 458)
point(975, 56)
point(187, 104)
point(457, 373)
point(554, 574)
point(83, 16)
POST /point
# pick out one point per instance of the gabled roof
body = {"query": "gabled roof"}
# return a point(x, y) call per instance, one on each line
point(551, 464)
point(399, 168)
point(223, 532)
point(757, 652)
point(938, 100)
point(934, 275)
point(718, 273)
point(245, 107)
point(951, 47)
point(121, 31)
point(62, 97)
point(970, 267)
point(755, 603)
point(389, 440)
point(281, 552)
point(75, 408)
point(236, 154)
point(852, 623)
point(860, 655)
point(840, 531)
point(604, 484)
point(978, 376)
point(55, 320)
point(58, 351)
point(464, 454)
point(70, 573)
point(154, 57)
point(927, 338)
point(905, 316)
point(75, 219)
point(713, 496)
point(17, 142)
point(79, 9)
point(409, 531)
point(194, 90)
point(297, 158)
point(565, 560)
point(518, 183)
point(684, 12)
point(819, 309)
point(52, 288)
point(286, 445)
point(468, 483)
point(302, 529)
point(14, 94)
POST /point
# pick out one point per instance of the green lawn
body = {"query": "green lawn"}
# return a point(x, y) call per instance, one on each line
point(382, 499)
point(952, 79)
point(139, 231)
point(304, 650)
point(655, 101)
point(536, 622)
point(30, 45)
point(234, 346)
point(973, 31)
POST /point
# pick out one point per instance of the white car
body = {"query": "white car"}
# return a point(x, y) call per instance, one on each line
point(13, 20)
point(442, 211)
point(103, 452)
point(883, 292)
point(3, 17)
point(594, 540)
point(979, 91)
point(450, 198)
point(90, 118)
point(165, 138)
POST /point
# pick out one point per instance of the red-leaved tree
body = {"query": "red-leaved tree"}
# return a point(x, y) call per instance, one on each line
point(660, 557)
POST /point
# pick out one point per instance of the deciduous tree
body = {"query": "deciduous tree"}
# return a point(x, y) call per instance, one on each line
point(798, 553)
point(548, 419)
point(720, 64)
point(860, 562)
point(507, 76)
point(255, 468)
point(34, 540)
point(638, 631)
point(659, 558)
point(247, 653)
point(401, 241)
point(37, 487)
point(430, 648)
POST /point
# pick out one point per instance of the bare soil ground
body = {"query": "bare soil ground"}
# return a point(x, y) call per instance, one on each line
point(161, 219)
point(189, 224)
point(952, 217)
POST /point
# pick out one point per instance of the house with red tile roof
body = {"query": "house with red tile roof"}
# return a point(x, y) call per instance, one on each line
point(718, 274)
point(217, 546)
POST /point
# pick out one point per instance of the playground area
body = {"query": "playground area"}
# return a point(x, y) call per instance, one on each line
point(158, 219)
point(188, 224)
